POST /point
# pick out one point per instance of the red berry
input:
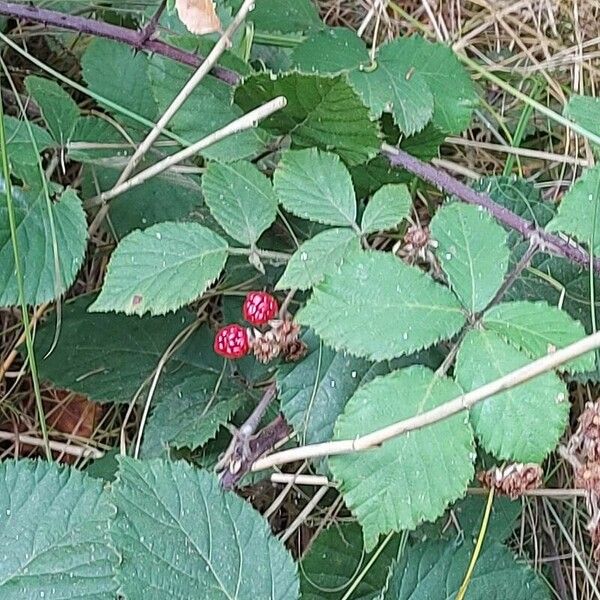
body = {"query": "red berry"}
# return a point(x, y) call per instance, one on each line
point(232, 341)
point(259, 308)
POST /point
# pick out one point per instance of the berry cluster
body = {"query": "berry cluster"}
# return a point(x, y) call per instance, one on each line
point(233, 341)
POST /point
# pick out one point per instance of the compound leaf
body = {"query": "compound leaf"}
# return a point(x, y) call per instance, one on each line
point(388, 206)
point(473, 252)
point(522, 424)
point(53, 539)
point(240, 198)
point(180, 537)
point(538, 329)
point(317, 257)
point(317, 186)
point(411, 478)
point(376, 306)
point(51, 241)
point(161, 268)
point(320, 111)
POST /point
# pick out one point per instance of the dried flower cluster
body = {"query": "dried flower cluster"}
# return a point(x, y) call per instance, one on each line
point(513, 479)
point(583, 452)
point(281, 339)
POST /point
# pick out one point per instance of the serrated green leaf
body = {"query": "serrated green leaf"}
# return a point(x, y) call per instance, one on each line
point(585, 111)
point(107, 357)
point(413, 477)
point(144, 205)
point(53, 540)
point(284, 17)
point(317, 186)
point(437, 570)
point(394, 86)
point(538, 329)
point(522, 424)
point(473, 252)
point(240, 198)
point(161, 268)
point(454, 96)
point(314, 391)
point(578, 212)
point(321, 111)
point(22, 155)
point(317, 257)
point(336, 557)
point(182, 538)
point(388, 206)
point(212, 99)
point(190, 414)
point(119, 74)
point(330, 51)
point(49, 263)
point(378, 307)
point(58, 108)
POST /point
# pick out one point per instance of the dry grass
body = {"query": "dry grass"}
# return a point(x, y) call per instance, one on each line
point(546, 48)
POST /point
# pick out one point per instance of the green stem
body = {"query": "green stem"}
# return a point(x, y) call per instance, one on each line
point(12, 223)
point(548, 112)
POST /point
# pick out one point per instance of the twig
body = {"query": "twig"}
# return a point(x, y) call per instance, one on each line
point(209, 62)
point(448, 409)
point(80, 451)
point(244, 122)
point(548, 242)
point(5, 366)
point(304, 513)
point(111, 32)
point(299, 479)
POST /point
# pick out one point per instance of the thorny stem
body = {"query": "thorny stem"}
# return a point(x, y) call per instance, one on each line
point(137, 39)
point(547, 242)
point(148, 30)
point(265, 440)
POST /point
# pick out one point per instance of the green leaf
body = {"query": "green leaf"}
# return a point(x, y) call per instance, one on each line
point(240, 198)
point(144, 205)
point(212, 99)
point(413, 477)
point(161, 268)
point(538, 329)
point(454, 95)
point(314, 391)
point(284, 17)
point(522, 424)
point(585, 111)
point(578, 213)
point(58, 108)
point(472, 251)
point(436, 570)
point(23, 156)
point(182, 538)
point(317, 257)
point(388, 206)
point(330, 51)
point(53, 540)
point(320, 111)
point(51, 246)
point(381, 308)
point(119, 74)
point(334, 560)
point(317, 186)
point(521, 197)
point(107, 357)
point(394, 86)
point(190, 414)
